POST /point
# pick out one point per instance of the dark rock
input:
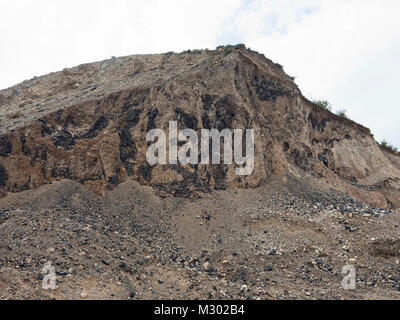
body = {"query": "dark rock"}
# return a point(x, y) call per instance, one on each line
point(323, 158)
point(127, 149)
point(240, 275)
point(286, 146)
point(133, 117)
point(317, 123)
point(145, 171)
point(152, 115)
point(3, 176)
point(208, 100)
point(268, 90)
point(98, 126)
point(107, 262)
point(5, 147)
point(64, 139)
point(187, 120)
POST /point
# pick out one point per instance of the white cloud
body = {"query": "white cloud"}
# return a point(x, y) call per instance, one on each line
point(41, 36)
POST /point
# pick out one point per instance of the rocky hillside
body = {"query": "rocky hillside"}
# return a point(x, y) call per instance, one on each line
point(89, 124)
point(76, 191)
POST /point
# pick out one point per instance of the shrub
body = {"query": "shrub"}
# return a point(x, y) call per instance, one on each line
point(323, 104)
point(342, 113)
point(389, 146)
point(228, 49)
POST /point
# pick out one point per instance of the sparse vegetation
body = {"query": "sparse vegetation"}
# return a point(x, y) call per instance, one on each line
point(389, 147)
point(327, 106)
point(323, 104)
point(228, 49)
point(342, 113)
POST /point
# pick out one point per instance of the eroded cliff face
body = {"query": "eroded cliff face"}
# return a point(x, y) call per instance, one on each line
point(89, 124)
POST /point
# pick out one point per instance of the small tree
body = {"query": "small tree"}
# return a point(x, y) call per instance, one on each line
point(342, 113)
point(323, 104)
point(384, 143)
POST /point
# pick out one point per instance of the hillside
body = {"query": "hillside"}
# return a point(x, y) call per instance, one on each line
point(76, 189)
point(89, 124)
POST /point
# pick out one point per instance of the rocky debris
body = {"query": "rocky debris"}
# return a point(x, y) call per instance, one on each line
point(272, 242)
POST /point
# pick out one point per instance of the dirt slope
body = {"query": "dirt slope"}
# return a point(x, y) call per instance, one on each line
point(288, 239)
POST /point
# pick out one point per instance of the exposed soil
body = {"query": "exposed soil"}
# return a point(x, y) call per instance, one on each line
point(288, 239)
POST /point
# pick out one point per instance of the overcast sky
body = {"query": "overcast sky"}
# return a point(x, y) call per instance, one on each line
point(345, 51)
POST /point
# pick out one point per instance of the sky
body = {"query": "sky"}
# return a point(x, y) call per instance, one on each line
point(343, 51)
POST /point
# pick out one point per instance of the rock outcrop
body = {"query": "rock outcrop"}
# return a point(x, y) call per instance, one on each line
point(89, 124)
